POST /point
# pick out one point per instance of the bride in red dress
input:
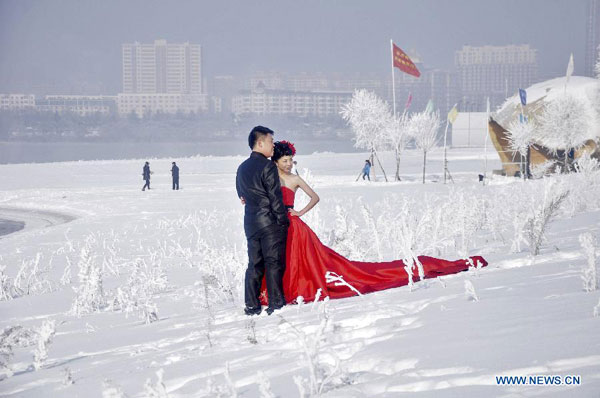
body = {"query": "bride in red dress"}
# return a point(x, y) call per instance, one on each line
point(309, 263)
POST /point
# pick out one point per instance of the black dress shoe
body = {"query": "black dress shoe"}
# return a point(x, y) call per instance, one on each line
point(252, 311)
point(270, 310)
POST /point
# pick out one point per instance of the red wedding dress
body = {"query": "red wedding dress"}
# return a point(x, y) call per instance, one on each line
point(308, 260)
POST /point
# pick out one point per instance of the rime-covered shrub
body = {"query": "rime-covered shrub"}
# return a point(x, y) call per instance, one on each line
point(111, 390)
point(7, 288)
point(89, 295)
point(541, 212)
point(45, 335)
point(156, 389)
point(136, 296)
point(590, 269)
point(323, 365)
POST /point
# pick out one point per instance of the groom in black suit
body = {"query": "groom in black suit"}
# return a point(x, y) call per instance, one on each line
point(265, 222)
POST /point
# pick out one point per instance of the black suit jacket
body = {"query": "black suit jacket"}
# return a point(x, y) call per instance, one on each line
point(257, 181)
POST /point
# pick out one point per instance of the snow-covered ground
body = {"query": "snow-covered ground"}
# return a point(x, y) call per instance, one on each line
point(170, 264)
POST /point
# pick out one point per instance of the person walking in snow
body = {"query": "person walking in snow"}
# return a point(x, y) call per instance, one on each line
point(146, 176)
point(366, 170)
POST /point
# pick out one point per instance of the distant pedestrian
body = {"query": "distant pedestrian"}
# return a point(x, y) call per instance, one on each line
point(366, 170)
point(146, 175)
point(175, 175)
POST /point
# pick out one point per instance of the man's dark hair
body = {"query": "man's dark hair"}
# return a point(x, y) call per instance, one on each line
point(256, 133)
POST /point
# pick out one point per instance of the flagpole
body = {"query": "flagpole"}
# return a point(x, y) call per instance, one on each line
point(393, 79)
point(445, 157)
point(521, 121)
point(446, 171)
point(487, 134)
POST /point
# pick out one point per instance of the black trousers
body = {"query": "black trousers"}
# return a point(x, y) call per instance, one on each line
point(266, 258)
point(176, 183)
point(147, 185)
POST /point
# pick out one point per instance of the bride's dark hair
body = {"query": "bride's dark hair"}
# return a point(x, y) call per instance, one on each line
point(282, 148)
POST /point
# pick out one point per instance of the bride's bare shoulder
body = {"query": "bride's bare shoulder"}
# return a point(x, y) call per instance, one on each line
point(298, 181)
point(288, 181)
point(295, 180)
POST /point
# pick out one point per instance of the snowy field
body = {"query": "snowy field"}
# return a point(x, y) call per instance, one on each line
point(109, 291)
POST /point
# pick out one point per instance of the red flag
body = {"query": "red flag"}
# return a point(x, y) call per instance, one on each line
point(404, 63)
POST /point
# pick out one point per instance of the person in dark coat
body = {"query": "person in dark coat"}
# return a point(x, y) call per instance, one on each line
point(146, 175)
point(175, 175)
point(265, 222)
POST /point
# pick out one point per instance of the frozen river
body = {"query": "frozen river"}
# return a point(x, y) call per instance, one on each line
point(42, 152)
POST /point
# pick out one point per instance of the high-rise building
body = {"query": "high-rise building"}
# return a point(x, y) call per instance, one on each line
point(592, 37)
point(162, 77)
point(162, 68)
point(494, 72)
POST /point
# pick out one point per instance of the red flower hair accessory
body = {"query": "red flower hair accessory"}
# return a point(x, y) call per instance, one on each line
point(292, 147)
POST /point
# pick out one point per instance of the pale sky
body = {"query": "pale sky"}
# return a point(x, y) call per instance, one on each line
point(75, 45)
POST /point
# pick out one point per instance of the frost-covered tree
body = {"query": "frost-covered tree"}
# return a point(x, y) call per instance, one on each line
point(67, 377)
point(323, 363)
point(157, 389)
point(45, 335)
point(520, 137)
point(424, 126)
point(541, 213)
point(90, 293)
point(565, 125)
point(345, 238)
point(264, 386)
point(398, 135)
point(470, 292)
point(136, 296)
point(11, 337)
point(111, 390)
point(229, 382)
point(32, 277)
point(590, 271)
point(369, 117)
point(7, 342)
point(7, 291)
point(586, 165)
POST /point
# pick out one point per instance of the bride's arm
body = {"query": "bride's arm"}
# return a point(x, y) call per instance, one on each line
point(314, 198)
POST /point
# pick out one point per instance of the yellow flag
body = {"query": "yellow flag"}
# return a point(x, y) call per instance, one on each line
point(452, 114)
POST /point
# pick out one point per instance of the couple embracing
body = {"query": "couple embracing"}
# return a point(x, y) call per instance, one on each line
point(286, 259)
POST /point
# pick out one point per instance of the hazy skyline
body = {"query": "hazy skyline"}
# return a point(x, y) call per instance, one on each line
point(76, 45)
